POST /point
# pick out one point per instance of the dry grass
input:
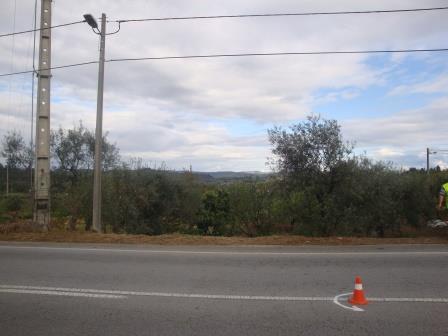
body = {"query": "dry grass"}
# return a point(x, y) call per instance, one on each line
point(24, 231)
point(179, 239)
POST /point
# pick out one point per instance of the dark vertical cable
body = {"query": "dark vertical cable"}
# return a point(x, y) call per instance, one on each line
point(32, 100)
point(10, 89)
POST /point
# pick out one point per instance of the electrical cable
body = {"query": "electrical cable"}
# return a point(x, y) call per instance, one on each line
point(32, 98)
point(13, 46)
point(115, 32)
point(241, 16)
point(279, 54)
point(283, 14)
point(236, 55)
point(39, 29)
point(52, 68)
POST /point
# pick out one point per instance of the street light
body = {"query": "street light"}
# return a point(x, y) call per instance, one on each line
point(91, 21)
point(96, 216)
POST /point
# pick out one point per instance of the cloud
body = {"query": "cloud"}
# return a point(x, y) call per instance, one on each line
point(386, 152)
point(435, 85)
point(406, 129)
point(403, 137)
point(171, 110)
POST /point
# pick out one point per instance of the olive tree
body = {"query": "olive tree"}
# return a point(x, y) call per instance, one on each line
point(309, 147)
point(16, 152)
point(72, 158)
point(309, 156)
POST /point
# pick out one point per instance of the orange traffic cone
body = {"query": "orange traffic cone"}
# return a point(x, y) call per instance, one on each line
point(358, 297)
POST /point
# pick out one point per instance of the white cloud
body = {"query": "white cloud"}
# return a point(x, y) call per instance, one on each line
point(402, 137)
point(386, 152)
point(437, 85)
point(406, 129)
point(167, 110)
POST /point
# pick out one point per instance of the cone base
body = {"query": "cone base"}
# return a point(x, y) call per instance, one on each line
point(358, 302)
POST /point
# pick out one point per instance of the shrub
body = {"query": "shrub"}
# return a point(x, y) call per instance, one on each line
point(13, 203)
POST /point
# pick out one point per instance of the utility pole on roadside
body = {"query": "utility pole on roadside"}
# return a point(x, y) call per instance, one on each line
point(429, 152)
point(96, 216)
point(42, 143)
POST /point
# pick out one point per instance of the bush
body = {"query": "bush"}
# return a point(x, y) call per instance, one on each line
point(13, 203)
point(214, 213)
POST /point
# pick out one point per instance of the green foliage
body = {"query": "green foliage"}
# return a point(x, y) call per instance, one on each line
point(214, 212)
point(321, 189)
point(13, 203)
point(145, 201)
point(250, 204)
point(328, 192)
point(19, 158)
point(73, 151)
point(15, 151)
point(310, 148)
point(15, 206)
point(73, 154)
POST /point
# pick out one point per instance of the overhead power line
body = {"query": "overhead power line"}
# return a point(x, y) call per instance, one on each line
point(52, 68)
point(284, 14)
point(241, 16)
point(38, 29)
point(304, 53)
point(278, 54)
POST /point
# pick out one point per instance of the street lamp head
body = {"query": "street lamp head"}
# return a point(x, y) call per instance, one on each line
point(91, 21)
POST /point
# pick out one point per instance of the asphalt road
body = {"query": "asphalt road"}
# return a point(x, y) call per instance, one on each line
point(63, 289)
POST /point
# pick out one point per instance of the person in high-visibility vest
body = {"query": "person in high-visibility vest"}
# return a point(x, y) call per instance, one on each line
point(443, 195)
point(441, 209)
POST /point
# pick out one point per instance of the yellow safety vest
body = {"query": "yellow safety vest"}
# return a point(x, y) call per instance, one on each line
point(445, 187)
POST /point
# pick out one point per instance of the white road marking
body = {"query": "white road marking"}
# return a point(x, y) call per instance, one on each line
point(60, 293)
point(254, 253)
point(336, 301)
point(429, 300)
point(175, 295)
point(356, 308)
point(122, 294)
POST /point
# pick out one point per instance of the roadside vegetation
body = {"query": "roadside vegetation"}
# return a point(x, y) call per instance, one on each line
point(318, 188)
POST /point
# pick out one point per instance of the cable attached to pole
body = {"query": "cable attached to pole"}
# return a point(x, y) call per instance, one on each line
point(241, 16)
point(279, 54)
point(305, 53)
point(32, 101)
point(39, 29)
point(283, 14)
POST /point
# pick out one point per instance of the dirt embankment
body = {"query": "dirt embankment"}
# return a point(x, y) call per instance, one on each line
point(179, 239)
point(26, 232)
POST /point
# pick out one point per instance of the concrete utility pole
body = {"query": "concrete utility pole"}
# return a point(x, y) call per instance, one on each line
point(42, 166)
point(96, 220)
point(429, 152)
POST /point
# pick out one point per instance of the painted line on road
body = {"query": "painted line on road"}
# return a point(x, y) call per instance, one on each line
point(358, 309)
point(336, 301)
point(429, 300)
point(61, 293)
point(209, 296)
point(254, 253)
point(175, 295)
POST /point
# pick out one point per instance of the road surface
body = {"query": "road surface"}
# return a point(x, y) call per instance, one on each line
point(63, 289)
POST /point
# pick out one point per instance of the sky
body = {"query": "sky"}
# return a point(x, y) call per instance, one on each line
point(213, 114)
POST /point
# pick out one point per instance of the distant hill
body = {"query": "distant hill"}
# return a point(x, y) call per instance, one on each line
point(211, 177)
point(228, 176)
